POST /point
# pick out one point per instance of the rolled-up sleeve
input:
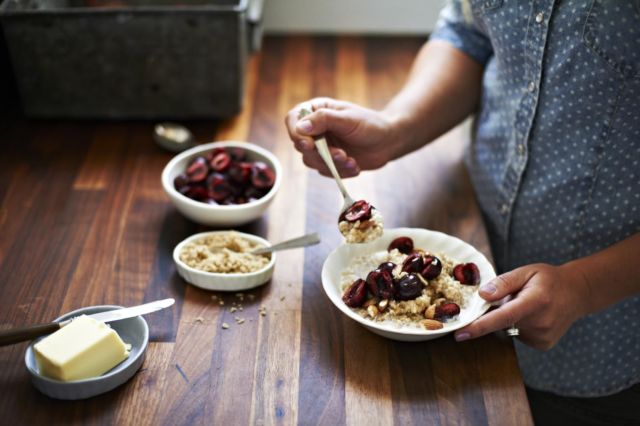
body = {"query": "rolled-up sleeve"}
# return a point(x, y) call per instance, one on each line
point(461, 32)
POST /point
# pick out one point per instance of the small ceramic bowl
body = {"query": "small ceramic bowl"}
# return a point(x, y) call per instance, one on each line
point(219, 281)
point(431, 241)
point(133, 331)
point(220, 215)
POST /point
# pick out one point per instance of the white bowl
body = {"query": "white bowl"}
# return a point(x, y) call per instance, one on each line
point(432, 241)
point(219, 215)
point(219, 281)
point(133, 331)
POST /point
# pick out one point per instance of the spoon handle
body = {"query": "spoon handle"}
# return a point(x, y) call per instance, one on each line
point(323, 150)
point(307, 240)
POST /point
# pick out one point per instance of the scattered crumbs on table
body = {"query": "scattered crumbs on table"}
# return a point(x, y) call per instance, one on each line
point(239, 320)
point(233, 309)
point(199, 320)
point(225, 325)
point(282, 298)
point(221, 302)
point(251, 296)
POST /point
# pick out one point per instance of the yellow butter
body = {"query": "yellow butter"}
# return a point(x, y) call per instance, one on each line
point(82, 349)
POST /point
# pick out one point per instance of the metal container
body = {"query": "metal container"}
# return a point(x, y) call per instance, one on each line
point(131, 58)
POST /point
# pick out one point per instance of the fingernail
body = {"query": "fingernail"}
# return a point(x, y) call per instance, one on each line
point(488, 288)
point(305, 126)
point(305, 144)
point(460, 337)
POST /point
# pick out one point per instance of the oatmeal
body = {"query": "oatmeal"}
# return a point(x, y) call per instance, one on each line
point(360, 223)
point(224, 253)
point(408, 286)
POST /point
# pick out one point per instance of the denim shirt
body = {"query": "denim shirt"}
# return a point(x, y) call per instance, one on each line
point(555, 160)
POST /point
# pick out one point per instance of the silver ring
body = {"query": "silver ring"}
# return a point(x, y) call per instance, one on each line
point(513, 331)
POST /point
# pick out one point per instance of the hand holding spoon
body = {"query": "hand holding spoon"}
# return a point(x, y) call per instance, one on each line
point(359, 221)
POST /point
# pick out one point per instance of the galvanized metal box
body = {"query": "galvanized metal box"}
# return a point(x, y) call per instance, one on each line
point(131, 58)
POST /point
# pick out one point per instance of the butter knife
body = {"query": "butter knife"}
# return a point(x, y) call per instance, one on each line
point(9, 337)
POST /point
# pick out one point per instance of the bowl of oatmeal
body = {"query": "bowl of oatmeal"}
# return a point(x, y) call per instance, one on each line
point(410, 284)
point(222, 261)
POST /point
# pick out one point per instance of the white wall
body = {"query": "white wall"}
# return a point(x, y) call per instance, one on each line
point(351, 16)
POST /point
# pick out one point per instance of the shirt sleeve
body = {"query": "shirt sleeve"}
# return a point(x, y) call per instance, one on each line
point(462, 32)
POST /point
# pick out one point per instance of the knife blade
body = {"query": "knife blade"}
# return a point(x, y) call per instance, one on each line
point(9, 337)
point(124, 313)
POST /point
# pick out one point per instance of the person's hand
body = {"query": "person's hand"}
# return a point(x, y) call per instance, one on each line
point(359, 138)
point(545, 301)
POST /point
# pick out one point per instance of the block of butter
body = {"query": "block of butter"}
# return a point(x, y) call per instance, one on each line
point(82, 349)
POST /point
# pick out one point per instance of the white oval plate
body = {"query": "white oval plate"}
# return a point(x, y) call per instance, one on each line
point(431, 241)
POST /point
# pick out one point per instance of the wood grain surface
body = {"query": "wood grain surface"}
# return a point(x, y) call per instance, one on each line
point(84, 221)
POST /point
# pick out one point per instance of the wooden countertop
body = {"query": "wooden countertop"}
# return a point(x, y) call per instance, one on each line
point(84, 221)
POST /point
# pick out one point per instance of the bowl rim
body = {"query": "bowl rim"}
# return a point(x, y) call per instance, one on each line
point(385, 327)
point(255, 238)
point(250, 146)
point(113, 372)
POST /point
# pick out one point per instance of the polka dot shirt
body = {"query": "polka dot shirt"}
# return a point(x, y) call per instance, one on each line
point(555, 160)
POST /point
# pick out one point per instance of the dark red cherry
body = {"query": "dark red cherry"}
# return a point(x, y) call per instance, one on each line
point(220, 162)
point(413, 263)
point(262, 176)
point(389, 266)
point(197, 192)
point(240, 172)
point(380, 283)
point(238, 154)
point(355, 295)
point(467, 273)
point(218, 187)
point(180, 181)
point(402, 244)
point(360, 210)
point(197, 170)
point(408, 287)
point(446, 311)
point(432, 267)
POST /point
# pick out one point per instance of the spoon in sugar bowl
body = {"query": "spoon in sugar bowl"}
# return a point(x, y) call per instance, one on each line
point(359, 221)
point(304, 241)
point(173, 137)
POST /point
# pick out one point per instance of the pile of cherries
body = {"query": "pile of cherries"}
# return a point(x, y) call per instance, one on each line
point(225, 176)
point(380, 283)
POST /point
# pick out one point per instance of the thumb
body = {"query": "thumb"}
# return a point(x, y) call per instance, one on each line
point(505, 284)
point(325, 120)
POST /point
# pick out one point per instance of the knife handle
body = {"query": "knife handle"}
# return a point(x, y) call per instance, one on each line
point(15, 335)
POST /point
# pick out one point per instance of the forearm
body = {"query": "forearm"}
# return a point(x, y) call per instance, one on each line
point(610, 275)
point(443, 88)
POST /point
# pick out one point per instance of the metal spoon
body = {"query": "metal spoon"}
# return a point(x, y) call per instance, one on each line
point(173, 137)
point(323, 150)
point(304, 241)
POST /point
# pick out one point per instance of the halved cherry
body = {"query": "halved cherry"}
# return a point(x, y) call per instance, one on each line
point(413, 263)
point(262, 176)
point(215, 151)
point(218, 187)
point(355, 295)
point(389, 266)
point(380, 283)
point(446, 311)
point(180, 182)
point(240, 172)
point(360, 210)
point(467, 273)
point(220, 162)
point(197, 170)
point(238, 154)
point(196, 192)
point(432, 267)
point(402, 244)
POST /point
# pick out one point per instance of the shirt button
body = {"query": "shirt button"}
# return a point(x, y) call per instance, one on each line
point(532, 86)
point(540, 17)
point(504, 208)
point(521, 149)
